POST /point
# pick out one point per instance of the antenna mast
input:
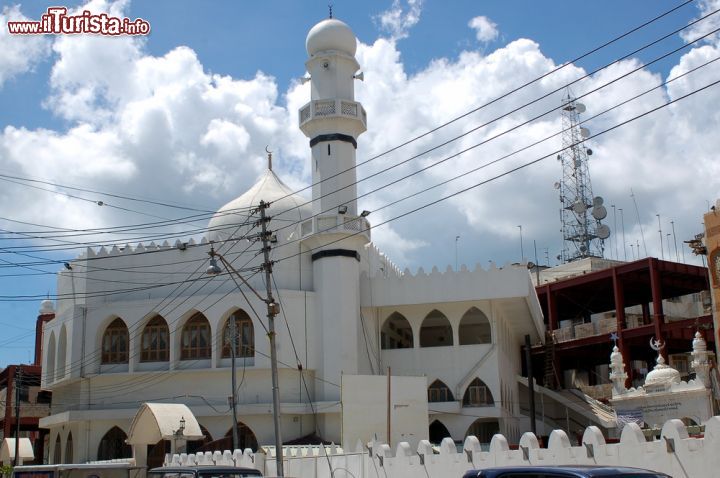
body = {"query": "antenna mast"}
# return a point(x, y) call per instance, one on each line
point(581, 213)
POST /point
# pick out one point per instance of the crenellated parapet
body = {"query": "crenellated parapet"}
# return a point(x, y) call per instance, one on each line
point(130, 249)
point(676, 453)
point(509, 281)
point(380, 264)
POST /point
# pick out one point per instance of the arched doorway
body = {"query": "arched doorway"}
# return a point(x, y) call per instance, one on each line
point(437, 432)
point(156, 453)
point(57, 451)
point(193, 446)
point(69, 449)
point(246, 437)
point(112, 445)
point(483, 429)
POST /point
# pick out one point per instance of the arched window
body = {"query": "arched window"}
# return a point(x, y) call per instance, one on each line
point(115, 342)
point(69, 449)
point(50, 359)
point(196, 339)
point(396, 333)
point(436, 330)
point(474, 328)
point(478, 395)
point(155, 341)
point(57, 452)
point(439, 392)
point(113, 446)
point(244, 335)
point(61, 354)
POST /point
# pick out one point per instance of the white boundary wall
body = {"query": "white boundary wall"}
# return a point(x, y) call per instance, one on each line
point(675, 454)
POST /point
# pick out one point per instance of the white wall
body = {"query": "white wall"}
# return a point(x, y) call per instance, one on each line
point(675, 454)
point(365, 406)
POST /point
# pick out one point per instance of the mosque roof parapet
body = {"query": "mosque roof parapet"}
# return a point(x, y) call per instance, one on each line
point(444, 286)
point(127, 249)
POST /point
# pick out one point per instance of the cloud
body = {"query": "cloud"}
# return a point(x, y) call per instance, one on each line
point(485, 29)
point(136, 117)
point(398, 20)
point(20, 53)
point(706, 7)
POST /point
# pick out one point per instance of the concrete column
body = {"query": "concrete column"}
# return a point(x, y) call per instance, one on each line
point(658, 315)
point(619, 296)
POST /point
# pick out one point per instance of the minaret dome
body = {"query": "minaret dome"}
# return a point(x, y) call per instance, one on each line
point(331, 34)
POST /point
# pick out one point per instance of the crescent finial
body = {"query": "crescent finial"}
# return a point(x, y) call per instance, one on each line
point(269, 156)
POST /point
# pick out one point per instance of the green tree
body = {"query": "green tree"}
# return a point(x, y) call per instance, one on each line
point(6, 471)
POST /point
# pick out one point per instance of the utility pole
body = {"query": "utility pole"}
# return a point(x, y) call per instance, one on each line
point(232, 336)
point(18, 381)
point(272, 311)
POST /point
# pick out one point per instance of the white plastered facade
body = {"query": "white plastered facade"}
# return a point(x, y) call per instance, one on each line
point(337, 292)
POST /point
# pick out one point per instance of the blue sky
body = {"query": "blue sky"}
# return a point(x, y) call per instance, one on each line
point(70, 109)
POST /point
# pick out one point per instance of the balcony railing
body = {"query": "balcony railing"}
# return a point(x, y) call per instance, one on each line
point(332, 109)
point(335, 223)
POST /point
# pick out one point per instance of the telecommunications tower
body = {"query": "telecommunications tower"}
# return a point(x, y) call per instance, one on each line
point(581, 213)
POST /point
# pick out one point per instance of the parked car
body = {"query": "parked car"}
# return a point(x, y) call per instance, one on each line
point(118, 469)
point(570, 471)
point(203, 471)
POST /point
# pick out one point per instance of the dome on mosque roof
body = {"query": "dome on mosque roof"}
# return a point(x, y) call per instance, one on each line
point(331, 34)
point(287, 208)
point(662, 374)
point(47, 307)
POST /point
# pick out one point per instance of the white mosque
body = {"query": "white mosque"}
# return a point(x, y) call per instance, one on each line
point(145, 323)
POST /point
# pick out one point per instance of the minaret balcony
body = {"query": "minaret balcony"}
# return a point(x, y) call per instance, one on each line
point(336, 223)
point(334, 108)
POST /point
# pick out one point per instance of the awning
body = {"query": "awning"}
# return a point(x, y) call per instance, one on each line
point(7, 450)
point(162, 421)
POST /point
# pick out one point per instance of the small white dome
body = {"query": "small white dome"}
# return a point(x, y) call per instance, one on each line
point(47, 307)
point(287, 209)
point(331, 34)
point(662, 374)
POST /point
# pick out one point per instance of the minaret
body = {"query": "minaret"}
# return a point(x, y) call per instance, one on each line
point(617, 372)
point(700, 363)
point(333, 120)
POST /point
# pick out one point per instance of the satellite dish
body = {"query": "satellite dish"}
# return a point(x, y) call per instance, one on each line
point(580, 108)
point(598, 201)
point(584, 132)
point(556, 185)
point(579, 207)
point(603, 232)
point(599, 212)
point(589, 152)
point(559, 157)
point(578, 163)
point(583, 248)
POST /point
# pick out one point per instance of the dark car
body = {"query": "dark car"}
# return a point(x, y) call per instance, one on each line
point(203, 471)
point(570, 471)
